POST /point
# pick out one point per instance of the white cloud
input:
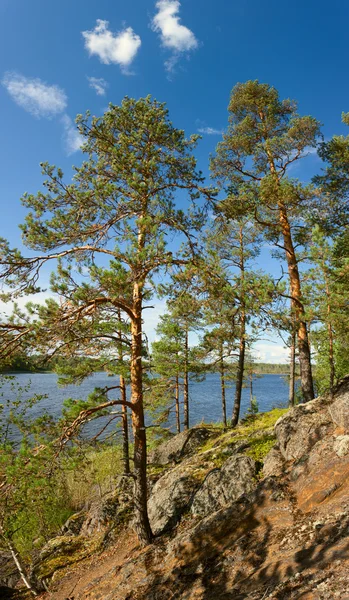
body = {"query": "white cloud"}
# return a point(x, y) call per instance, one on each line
point(210, 131)
point(174, 35)
point(98, 84)
point(119, 48)
point(6, 308)
point(271, 352)
point(72, 138)
point(35, 96)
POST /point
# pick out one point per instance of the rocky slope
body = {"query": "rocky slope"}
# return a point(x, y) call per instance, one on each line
point(232, 521)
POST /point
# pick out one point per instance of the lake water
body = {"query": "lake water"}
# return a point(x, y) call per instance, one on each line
point(205, 397)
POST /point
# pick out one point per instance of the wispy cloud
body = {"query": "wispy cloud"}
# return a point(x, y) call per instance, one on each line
point(119, 48)
point(98, 84)
point(210, 131)
point(71, 137)
point(35, 96)
point(173, 34)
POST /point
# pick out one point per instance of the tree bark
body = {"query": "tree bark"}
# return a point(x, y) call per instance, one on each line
point(240, 371)
point(142, 525)
point(330, 337)
point(186, 381)
point(125, 444)
point(222, 373)
point(291, 397)
point(178, 417)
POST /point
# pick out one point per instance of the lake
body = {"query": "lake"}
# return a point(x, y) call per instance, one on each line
point(205, 397)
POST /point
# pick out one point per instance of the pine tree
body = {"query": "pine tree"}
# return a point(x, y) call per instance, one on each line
point(118, 207)
point(264, 138)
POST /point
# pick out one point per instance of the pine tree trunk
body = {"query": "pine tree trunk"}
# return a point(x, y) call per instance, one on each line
point(178, 417)
point(295, 287)
point(242, 345)
point(240, 371)
point(142, 525)
point(330, 338)
point(186, 382)
point(224, 407)
point(291, 397)
point(125, 445)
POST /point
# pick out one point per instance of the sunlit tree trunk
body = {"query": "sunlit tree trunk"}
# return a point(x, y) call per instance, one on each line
point(142, 525)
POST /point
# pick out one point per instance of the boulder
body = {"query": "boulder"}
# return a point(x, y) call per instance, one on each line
point(170, 498)
point(222, 486)
point(341, 445)
point(302, 427)
point(181, 445)
point(339, 409)
point(110, 510)
point(274, 463)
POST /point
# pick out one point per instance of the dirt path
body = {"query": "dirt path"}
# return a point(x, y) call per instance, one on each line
point(89, 571)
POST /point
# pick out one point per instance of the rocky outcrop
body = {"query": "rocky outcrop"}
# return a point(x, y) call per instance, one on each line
point(60, 552)
point(113, 509)
point(285, 538)
point(180, 446)
point(170, 498)
point(302, 427)
point(274, 463)
point(223, 486)
point(339, 408)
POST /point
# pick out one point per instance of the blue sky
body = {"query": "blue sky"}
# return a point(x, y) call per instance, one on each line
point(58, 59)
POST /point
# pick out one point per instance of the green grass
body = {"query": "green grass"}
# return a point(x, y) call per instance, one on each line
point(246, 428)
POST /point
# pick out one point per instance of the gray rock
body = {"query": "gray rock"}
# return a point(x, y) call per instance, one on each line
point(341, 445)
point(223, 486)
point(273, 464)
point(109, 510)
point(339, 410)
point(170, 497)
point(181, 445)
point(301, 428)
point(73, 525)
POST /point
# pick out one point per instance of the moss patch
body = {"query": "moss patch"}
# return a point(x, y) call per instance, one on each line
point(259, 447)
